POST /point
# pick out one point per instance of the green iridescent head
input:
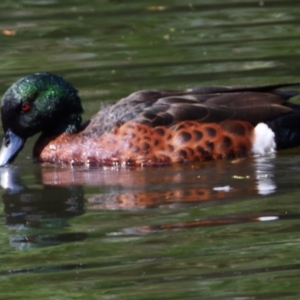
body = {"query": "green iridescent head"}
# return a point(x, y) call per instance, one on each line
point(39, 102)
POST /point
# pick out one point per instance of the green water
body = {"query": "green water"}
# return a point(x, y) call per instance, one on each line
point(216, 230)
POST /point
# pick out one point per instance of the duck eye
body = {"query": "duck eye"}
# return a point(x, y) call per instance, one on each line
point(25, 107)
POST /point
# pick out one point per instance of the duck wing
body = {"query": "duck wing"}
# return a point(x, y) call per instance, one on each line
point(204, 104)
point(216, 104)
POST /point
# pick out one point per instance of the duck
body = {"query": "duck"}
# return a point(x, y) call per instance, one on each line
point(148, 127)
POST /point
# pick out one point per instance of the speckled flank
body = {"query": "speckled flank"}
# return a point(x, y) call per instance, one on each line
point(138, 144)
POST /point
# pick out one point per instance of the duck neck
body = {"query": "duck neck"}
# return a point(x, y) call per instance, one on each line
point(70, 124)
point(67, 126)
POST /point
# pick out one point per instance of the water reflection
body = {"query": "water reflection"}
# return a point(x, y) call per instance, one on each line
point(264, 169)
point(144, 188)
point(41, 209)
point(39, 215)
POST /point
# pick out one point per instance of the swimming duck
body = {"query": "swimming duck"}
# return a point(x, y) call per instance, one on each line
point(151, 127)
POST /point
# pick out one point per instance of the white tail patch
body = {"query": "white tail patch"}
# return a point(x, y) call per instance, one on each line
point(263, 140)
point(268, 218)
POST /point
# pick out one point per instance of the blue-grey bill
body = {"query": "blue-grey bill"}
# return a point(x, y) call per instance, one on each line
point(12, 144)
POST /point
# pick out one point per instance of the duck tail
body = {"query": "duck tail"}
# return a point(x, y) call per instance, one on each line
point(287, 128)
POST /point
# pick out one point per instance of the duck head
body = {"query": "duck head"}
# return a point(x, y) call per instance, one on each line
point(40, 102)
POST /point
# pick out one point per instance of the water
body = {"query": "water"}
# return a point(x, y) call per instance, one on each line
point(212, 230)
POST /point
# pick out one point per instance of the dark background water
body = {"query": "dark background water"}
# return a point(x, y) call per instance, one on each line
point(213, 230)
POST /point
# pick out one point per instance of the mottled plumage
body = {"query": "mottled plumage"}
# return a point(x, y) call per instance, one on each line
point(147, 127)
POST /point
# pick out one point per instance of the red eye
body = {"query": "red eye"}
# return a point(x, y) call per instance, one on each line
point(25, 107)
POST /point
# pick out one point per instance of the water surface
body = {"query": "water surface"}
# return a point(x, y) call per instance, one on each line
point(211, 230)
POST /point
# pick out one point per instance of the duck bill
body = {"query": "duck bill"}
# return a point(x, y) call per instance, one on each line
point(12, 144)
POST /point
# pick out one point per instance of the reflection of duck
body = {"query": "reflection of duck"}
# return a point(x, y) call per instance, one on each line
point(48, 208)
point(39, 215)
point(204, 183)
point(147, 127)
